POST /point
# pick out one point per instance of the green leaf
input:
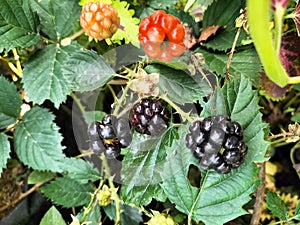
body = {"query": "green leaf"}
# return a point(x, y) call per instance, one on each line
point(244, 63)
point(220, 198)
point(90, 70)
point(297, 212)
point(93, 217)
point(10, 103)
point(217, 14)
point(158, 4)
point(57, 18)
point(52, 216)
point(18, 25)
point(130, 216)
point(36, 177)
point(237, 99)
point(141, 165)
point(43, 78)
point(80, 170)
point(4, 151)
point(185, 18)
point(179, 85)
point(37, 141)
point(91, 116)
point(129, 32)
point(68, 192)
point(277, 206)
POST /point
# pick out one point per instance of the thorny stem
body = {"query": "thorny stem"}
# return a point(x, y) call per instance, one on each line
point(118, 102)
point(112, 91)
point(232, 51)
point(78, 102)
point(87, 153)
point(259, 197)
point(113, 188)
point(292, 153)
point(18, 69)
point(91, 203)
point(185, 116)
point(73, 36)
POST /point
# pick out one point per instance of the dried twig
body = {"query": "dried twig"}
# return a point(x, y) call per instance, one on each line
point(260, 193)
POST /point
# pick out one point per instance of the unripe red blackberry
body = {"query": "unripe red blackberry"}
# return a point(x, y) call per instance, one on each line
point(99, 20)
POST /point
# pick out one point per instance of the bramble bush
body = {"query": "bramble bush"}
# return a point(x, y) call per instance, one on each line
point(105, 126)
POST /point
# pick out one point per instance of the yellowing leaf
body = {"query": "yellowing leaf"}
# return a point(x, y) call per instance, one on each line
point(129, 25)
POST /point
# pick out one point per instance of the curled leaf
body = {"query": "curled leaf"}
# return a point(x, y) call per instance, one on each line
point(208, 32)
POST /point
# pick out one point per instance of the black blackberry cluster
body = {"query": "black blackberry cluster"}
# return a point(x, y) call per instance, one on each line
point(149, 116)
point(109, 136)
point(217, 142)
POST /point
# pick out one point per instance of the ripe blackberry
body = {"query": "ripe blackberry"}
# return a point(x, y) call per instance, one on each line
point(149, 117)
point(109, 136)
point(217, 142)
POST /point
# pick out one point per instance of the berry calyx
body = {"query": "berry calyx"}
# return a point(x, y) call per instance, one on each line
point(217, 142)
point(99, 20)
point(162, 35)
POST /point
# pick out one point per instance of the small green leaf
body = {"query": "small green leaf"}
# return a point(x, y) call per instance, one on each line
point(91, 116)
point(37, 141)
point(53, 216)
point(4, 151)
point(179, 85)
point(43, 78)
point(89, 69)
point(93, 217)
point(130, 216)
point(80, 170)
point(130, 30)
point(244, 63)
point(141, 165)
point(36, 177)
point(10, 103)
point(185, 18)
point(158, 4)
point(57, 18)
point(297, 212)
point(217, 14)
point(68, 192)
point(18, 25)
point(277, 206)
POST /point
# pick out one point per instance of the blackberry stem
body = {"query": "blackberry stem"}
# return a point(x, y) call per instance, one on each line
point(91, 203)
point(184, 115)
point(113, 188)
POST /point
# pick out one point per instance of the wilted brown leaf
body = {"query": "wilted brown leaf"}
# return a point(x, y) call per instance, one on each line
point(208, 32)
